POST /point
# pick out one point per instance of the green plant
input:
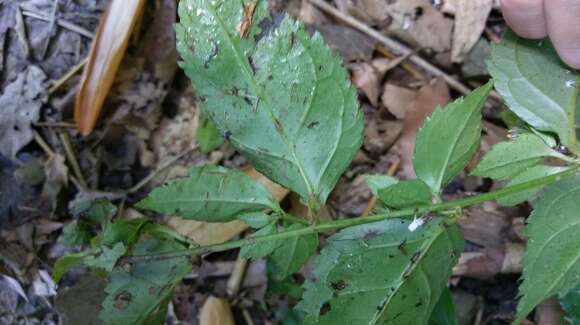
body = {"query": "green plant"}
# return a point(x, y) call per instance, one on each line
point(281, 98)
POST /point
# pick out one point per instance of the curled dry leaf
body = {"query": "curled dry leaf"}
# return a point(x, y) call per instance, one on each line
point(216, 311)
point(107, 51)
point(429, 97)
point(365, 77)
point(204, 233)
point(470, 19)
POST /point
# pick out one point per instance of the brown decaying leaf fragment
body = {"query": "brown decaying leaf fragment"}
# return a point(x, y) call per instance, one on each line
point(107, 52)
point(216, 311)
point(470, 20)
point(429, 97)
point(246, 23)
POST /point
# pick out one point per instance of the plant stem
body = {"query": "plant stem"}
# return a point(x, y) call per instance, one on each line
point(345, 223)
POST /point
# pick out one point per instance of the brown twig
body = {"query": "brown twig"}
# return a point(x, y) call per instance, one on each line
point(391, 44)
point(72, 159)
point(62, 23)
point(57, 84)
point(237, 277)
point(65, 125)
point(49, 152)
point(374, 200)
point(400, 60)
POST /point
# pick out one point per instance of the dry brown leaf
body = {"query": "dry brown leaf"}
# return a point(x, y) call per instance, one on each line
point(311, 15)
point(434, 94)
point(397, 99)
point(470, 19)
point(109, 46)
point(365, 77)
point(489, 262)
point(216, 311)
point(204, 233)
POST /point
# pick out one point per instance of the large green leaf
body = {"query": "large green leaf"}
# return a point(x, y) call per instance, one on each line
point(208, 137)
point(212, 194)
point(406, 193)
point(107, 257)
point(135, 292)
point(279, 95)
point(444, 312)
point(261, 249)
point(382, 274)
point(537, 86)
point(449, 139)
point(509, 158)
point(570, 302)
point(379, 182)
point(552, 260)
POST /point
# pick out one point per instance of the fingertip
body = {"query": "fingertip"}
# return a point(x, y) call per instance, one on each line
point(525, 17)
point(571, 57)
point(562, 23)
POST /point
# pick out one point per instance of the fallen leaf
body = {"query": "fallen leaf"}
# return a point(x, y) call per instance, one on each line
point(364, 76)
point(380, 135)
point(216, 311)
point(107, 51)
point(397, 99)
point(429, 97)
point(470, 19)
point(21, 102)
point(311, 15)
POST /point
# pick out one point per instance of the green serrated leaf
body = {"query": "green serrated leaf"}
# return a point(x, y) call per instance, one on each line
point(537, 85)
point(278, 94)
point(378, 182)
point(211, 194)
point(256, 219)
point(67, 262)
point(262, 249)
point(444, 312)
point(382, 274)
point(292, 253)
point(552, 260)
point(76, 233)
point(107, 257)
point(449, 139)
point(208, 136)
point(509, 158)
point(135, 294)
point(96, 211)
point(528, 175)
point(406, 193)
point(570, 302)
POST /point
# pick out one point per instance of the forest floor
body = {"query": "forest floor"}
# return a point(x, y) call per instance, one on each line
point(148, 133)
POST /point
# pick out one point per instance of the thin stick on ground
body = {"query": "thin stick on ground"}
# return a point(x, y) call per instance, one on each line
point(72, 159)
point(57, 84)
point(237, 277)
point(49, 152)
point(62, 23)
point(391, 44)
point(159, 169)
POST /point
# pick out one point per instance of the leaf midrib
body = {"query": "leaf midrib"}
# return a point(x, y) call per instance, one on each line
point(258, 91)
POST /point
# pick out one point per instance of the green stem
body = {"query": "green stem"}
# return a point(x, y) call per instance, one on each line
point(345, 223)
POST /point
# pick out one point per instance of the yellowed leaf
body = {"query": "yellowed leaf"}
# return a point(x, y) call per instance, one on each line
point(216, 311)
point(107, 51)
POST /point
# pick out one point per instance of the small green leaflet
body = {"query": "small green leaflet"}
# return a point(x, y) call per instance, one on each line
point(528, 175)
point(406, 193)
point(261, 249)
point(135, 292)
point(293, 252)
point(66, 263)
point(378, 182)
point(123, 230)
point(552, 260)
point(278, 94)
point(449, 139)
point(537, 86)
point(211, 194)
point(509, 158)
point(382, 274)
point(208, 137)
point(570, 302)
point(107, 257)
